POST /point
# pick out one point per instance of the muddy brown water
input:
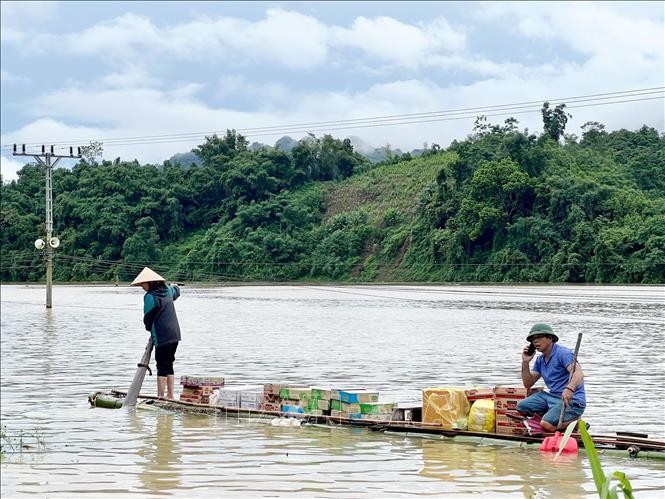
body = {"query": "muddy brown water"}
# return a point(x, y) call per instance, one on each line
point(398, 339)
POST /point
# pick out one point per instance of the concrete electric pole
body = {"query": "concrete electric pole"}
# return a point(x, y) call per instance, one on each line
point(51, 242)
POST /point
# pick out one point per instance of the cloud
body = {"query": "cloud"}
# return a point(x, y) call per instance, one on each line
point(19, 14)
point(16, 17)
point(128, 101)
point(593, 29)
point(289, 39)
point(283, 38)
point(9, 167)
point(184, 118)
point(133, 76)
point(7, 77)
point(407, 45)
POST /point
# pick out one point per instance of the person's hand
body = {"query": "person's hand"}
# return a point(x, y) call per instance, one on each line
point(567, 396)
point(526, 357)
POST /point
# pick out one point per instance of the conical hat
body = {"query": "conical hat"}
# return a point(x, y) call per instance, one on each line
point(147, 275)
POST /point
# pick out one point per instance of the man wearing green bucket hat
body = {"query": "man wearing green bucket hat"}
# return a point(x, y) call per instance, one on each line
point(555, 366)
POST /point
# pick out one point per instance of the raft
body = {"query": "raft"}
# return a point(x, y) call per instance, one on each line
point(619, 444)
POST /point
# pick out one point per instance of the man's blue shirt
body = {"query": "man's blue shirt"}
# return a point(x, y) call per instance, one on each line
point(555, 373)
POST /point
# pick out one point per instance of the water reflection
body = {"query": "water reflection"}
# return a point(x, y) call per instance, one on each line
point(160, 453)
point(518, 471)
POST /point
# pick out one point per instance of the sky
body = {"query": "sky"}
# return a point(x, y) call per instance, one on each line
point(151, 79)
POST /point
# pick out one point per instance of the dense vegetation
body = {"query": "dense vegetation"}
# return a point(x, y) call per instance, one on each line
point(502, 206)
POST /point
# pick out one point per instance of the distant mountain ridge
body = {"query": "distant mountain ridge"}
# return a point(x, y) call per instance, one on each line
point(286, 144)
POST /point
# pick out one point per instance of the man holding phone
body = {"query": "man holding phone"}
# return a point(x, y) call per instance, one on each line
point(555, 366)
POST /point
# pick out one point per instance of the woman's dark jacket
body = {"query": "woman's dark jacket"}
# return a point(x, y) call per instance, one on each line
point(159, 314)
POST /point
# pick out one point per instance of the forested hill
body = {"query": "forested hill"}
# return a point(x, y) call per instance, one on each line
point(502, 206)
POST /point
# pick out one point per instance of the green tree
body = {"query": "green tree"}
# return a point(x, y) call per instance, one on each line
point(554, 120)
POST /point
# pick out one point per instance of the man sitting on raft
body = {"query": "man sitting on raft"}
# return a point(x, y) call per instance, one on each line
point(554, 365)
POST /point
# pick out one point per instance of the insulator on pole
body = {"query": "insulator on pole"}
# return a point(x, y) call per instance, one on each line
point(43, 149)
point(79, 151)
point(14, 148)
point(71, 151)
point(51, 149)
point(23, 147)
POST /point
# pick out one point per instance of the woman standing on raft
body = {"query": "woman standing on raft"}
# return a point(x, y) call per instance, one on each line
point(160, 319)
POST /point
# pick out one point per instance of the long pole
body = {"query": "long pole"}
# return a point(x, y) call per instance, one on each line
point(139, 376)
point(49, 231)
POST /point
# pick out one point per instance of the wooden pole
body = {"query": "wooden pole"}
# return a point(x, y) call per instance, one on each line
point(139, 376)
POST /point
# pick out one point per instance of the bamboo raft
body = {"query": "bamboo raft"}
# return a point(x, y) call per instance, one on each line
point(621, 444)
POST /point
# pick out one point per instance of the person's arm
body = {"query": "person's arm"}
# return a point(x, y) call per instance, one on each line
point(529, 377)
point(575, 381)
point(175, 291)
point(150, 310)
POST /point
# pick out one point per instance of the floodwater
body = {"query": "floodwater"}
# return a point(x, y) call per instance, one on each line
point(398, 339)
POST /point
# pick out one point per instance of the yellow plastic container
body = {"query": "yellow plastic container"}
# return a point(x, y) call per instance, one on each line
point(445, 406)
point(482, 416)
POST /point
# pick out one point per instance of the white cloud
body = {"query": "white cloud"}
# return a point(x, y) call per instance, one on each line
point(9, 167)
point(24, 13)
point(593, 29)
point(133, 76)
point(15, 17)
point(401, 44)
point(7, 77)
point(285, 38)
point(130, 102)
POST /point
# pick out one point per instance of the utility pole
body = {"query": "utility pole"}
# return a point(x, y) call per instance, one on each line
point(51, 242)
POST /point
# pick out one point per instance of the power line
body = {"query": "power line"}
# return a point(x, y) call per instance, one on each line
point(591, 100)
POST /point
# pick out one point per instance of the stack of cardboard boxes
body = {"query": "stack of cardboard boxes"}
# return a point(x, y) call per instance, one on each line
point(508, 420)
point(295, 398)
point(271, 400)
point(348, 403)
point(319, 402)
point(240, 397)
point(450, 406)
point(197, 389)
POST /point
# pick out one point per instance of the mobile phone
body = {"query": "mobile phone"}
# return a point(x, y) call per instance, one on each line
point(532, 349)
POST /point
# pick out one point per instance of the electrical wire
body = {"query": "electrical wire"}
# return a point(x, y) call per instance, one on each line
point(589, 100)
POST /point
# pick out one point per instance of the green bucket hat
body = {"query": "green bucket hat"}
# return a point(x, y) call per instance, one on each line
point(541, 328)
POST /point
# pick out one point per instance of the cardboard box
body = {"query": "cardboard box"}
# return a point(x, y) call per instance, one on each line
point(446, 406)
point(359, 396)
point(335, 393)
point(296, 403)
point(377, 417)
point(473, 394)
point(271, 406)
point(231, 396)
point(292, 409)
point(513, 417)
point(322, 393)
point(507, 404)
point(377, 409)
point(251, 399)
point(251, 405)
point(338, 405)
point(215, 381)
point(272, 398)
point(510, 392)
point(272, 389)
point(345, 415)
point(229, 400)
point(295, 392)
point(506, 428)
